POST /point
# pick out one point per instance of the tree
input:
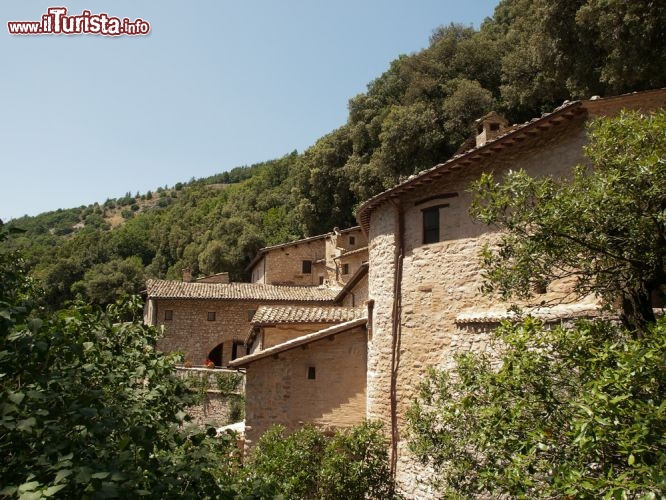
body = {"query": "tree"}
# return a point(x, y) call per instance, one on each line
point(350, 464)
point(89, 407)
point(570, 413)
point(578, 410)
point(605, 226)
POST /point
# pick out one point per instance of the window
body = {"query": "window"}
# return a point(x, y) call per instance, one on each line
point(321, 280)
point(168, 315)
point(494, 127)
point(345, 268)
point(307, 267)
point(211, 316)
point(431, 225)
point(352, 240)
point(237, 349)
point(312, 373)
point(250, 314)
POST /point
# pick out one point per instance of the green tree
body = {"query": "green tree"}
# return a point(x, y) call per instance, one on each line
point(571, 413)
point(605, 225)
point(105, 283)
point(351, 464)
point(90, 408)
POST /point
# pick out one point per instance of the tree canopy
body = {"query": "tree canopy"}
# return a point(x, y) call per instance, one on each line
point(605, 226)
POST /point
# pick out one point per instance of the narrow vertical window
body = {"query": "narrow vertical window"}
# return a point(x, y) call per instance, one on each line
point(307, 267)
point(312, 374)
point(352, 240)
point(345, 268)
point(431, 225)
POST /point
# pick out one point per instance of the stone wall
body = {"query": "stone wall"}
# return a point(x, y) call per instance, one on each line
point(358, 295)
point(280, 392)
point(274, 335)
point(215, 409)
point(284, 265)
point(191, 333)
point(439, 280)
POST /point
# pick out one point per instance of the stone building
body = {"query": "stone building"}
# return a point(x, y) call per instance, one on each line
point(205, 320)
point(424, 268)
point(358, 346)
point(294, 377)
point(328, 259)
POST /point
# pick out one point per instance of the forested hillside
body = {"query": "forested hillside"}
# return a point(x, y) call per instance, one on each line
point(527, 59)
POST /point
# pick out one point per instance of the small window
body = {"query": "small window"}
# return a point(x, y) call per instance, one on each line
point(168, 315)
point(321, 280)
point(494, 127)
point(211, 316)
point(307, 267)
point(352, 240)
point(250, 314)
point(312, 373)
point(431, 225)
point(237, 350)
point(345, 268)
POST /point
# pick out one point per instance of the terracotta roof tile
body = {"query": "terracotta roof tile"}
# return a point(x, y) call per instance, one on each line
point(165, 289)
point(301, 314)
point(548, 314)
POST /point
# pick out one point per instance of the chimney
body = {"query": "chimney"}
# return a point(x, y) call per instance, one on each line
point(488, 127)
point(187, 274)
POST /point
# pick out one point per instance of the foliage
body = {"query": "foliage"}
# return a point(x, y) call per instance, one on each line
point(350, 464)
point(606, 225)
point(228, 383)
point(527, 58)
point(90, 408)
point(571, 412)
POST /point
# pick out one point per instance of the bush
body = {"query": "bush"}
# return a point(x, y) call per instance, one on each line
point(351, 464)
point(572, 412)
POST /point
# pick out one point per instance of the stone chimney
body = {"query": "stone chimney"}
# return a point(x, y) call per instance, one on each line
point(187, 274)
point(489, 126)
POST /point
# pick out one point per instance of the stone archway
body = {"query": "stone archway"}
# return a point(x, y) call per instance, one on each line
point(215, 355)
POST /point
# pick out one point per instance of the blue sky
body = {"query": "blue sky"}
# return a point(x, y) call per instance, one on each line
point(216, 84)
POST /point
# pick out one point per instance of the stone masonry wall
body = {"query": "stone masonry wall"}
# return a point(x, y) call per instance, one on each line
point(439, 281)
point(358, 295)
point(284, 265)
point(191, 333)
point(278, 391)
point(281, 333)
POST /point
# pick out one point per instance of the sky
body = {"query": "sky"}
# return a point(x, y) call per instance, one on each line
point(213, 85)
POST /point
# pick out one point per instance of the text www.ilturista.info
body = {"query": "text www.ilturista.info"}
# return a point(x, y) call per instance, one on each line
point(56, 21)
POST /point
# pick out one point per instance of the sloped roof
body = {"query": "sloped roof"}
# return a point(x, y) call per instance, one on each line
point(297, 342)
point(514, 135)
point(353, 281)
point(165, 289)
point(545, 313)
point(352, 252)
point(271, 315)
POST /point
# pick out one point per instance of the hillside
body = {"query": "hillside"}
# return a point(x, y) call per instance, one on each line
point(528, 58)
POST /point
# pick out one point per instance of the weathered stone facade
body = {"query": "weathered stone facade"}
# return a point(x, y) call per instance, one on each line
point(211, 320)
point(319, 260)
point(421, 291)
point(318, 380)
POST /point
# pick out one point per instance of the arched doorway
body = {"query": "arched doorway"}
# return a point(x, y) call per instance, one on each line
point(215, 355)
